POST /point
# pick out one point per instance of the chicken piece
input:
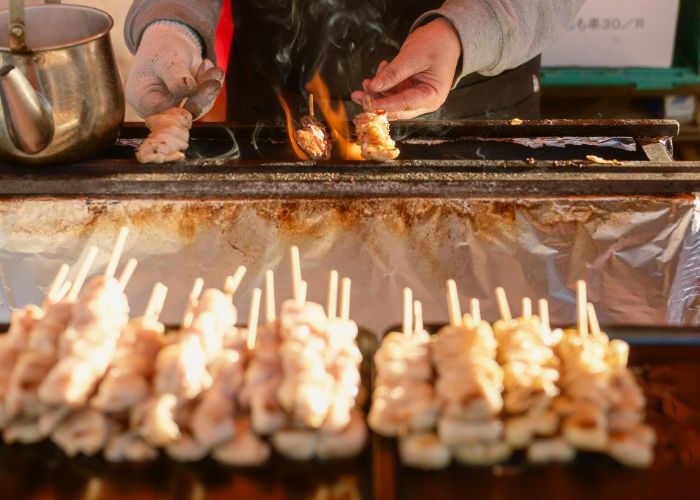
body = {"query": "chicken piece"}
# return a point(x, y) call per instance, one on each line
point(50, 418)
point(69, 383)
point(313, 138)
point(483, 453)
point(424, 451)
point(244, 449)
point(216, 302)
point(265, 413)
point(628, 449)
point(120, 391)
point(186, 449)
point(519, 431)
point(339, 413)
point(22, 393)
point(155, 420)
point(455, 433)
point(543, 451)
point(23, 430)
point(227, 372)
point(168, 138)
point(344, 444)
point(181, 369)
point(295, 444)
point(85, 431)
point(212, 419)
point(128, 446)
point(586, 432)
point(308, 399)
point(372, 129)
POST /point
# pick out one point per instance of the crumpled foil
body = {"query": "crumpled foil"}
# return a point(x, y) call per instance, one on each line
point(640, 256)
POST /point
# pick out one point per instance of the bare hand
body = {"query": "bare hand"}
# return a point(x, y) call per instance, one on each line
point(419, 78)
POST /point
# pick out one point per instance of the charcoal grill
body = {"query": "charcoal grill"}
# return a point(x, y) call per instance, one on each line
point(439, 159)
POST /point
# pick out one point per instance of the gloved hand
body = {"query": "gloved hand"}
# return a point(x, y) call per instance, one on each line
point(168, 67)
point(419, 78)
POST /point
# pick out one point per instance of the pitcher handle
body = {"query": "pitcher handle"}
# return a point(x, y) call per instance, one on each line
point(18, 34)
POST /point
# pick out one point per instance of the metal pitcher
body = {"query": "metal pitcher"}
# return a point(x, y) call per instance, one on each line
point(61, 98)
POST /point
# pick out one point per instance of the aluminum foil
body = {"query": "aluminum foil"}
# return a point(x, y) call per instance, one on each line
point(640, 256)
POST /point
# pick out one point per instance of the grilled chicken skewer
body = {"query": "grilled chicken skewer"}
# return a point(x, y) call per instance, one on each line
point(313, 137)
point(168, 138)
point(372, 129)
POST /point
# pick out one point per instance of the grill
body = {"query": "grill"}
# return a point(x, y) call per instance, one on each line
point(439, 159)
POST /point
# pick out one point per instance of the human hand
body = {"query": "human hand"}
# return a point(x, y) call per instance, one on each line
point(168, 67)
point(419, 78)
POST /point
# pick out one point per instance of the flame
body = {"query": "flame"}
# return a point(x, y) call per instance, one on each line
point(336, 118)
point(290, 130)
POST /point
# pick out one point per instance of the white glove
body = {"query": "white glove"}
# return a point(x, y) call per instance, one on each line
point(168, 67)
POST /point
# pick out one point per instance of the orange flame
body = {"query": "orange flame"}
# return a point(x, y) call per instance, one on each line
point(290, 129)
point(336, 118)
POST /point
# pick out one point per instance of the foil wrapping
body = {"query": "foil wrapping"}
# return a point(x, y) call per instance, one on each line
point(640, 256)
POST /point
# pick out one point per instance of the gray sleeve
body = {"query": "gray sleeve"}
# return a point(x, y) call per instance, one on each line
point(200, 15)
point(497, 35)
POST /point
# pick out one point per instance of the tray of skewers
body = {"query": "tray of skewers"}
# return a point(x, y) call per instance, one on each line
point(92, 395)
point(527, 410)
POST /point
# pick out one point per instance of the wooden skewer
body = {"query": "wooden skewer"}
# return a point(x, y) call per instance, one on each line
point(345, 299)
point(303, 288)
point(57, 283)
point(503, 307)
point(543, 309)
point(418, 312)
point(476, 311)
point(188, 315)
point(311, 104)
point(127, 272)
point(593, 319)
point(270, 314)
point(183, 102)
point(116, 252)
point(581, 313)
point(527, 308)
point(332, 302)
point(62, 292)
point(156, 302)
point(233, 282)
point(253, 318)
point(296, 273)
point(407, 311)
point(453, 304)
point(82, 274)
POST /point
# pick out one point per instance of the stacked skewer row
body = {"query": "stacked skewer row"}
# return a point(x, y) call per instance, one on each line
point(476, 393)
point(78, 371)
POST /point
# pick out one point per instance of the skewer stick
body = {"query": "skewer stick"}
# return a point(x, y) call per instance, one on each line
point(183, 102)
point(156, 302)
point(116, 252)
point(581, 313)
point(453, 303)
point(57, 283)
point(127, 272)
point(233, 282)
point(188, 315)
point(332, 302)
point(311, 104)
point(302, 291)
point(296, 273)
point(62, 292)
point(82, 274)
point(407, 311)
point(543, 309)
point(593, 319)
point(527, 308)
point(503, 307)
point(270, 315)
point(418, 312)
point(476, 311)
point(253, 318)
point(345, 299)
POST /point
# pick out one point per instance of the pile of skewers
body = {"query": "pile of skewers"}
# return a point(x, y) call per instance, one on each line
point(78, 371)
point(477, 394)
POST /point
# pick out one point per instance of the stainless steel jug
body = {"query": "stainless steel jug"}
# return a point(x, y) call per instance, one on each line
point(61, 98)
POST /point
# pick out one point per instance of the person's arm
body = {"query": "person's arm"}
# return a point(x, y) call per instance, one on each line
point(497, 35)
point(173, 46)
point(487, 36)
point(201, 16)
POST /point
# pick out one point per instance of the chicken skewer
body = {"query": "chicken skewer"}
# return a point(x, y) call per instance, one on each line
point(168, 138)
point(313, 137)
point(372, 128)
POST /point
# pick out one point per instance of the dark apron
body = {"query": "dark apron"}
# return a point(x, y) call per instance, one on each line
point(279, 45)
